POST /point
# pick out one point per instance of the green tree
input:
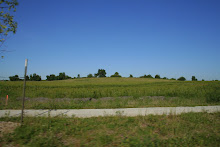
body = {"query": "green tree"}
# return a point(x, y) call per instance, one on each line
point(35, 77)
point(89, 76)
point(131, 76)
point(149, 76)
point(51, 77)
point(27, 78)
point(157, 76)
point(68, 77)
point(14, 78)
point(61, 76)
point(172, 79)
point(165, 78)
point(194, 78)
point(78, 76)
point(116, 75)
point(182, 79)
point(146, 76)
point(7, 23)
point(101, 73)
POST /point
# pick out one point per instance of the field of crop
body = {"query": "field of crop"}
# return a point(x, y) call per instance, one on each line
point(191, 129)
point(127, 92)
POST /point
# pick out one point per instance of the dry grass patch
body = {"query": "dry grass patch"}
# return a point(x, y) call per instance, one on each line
point(7, 127)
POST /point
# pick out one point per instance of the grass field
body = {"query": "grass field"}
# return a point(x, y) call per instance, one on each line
point(191, 129)
point(175, 93)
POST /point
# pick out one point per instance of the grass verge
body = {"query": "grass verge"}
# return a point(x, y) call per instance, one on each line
point(191, 129)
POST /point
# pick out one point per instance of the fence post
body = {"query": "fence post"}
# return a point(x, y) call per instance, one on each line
point(25, 73)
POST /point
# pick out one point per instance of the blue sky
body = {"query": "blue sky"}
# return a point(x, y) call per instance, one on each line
point(171, 38)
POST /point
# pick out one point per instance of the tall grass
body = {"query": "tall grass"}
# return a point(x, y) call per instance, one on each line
point(191, 92)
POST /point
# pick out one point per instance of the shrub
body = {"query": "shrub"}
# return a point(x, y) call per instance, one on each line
point(182, 79)
point(131, 76)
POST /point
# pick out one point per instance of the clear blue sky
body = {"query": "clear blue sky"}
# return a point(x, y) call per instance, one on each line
point(171, 38)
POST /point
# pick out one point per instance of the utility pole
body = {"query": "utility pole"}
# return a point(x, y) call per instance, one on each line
point(25, 73)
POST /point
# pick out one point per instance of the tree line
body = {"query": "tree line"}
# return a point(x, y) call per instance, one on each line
point(33, 77)
point(99, 74)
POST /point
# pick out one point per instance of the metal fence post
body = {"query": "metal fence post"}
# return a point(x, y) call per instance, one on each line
point(25, 73)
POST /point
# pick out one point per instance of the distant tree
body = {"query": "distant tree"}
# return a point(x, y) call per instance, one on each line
point(172, 79)
point(14, 78)
point(182, 79)
point(68, 77)
point(194, 78)
point(89, 76)
point(203, 80)
point(131, 76)
point(78, 76)
point(149, 76)
point(116, 75)
point(31, 77)
point(61, 76)
point(101, 73)
point(165, 78)
point(35, 77)
point(27, 78)
point(157, 77)
point(146, 76)
point(51, 77)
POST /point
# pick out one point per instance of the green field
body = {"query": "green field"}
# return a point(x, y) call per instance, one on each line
point(191, 129)
point(135, 92)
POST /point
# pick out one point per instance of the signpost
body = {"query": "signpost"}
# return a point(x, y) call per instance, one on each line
point(25, 73)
